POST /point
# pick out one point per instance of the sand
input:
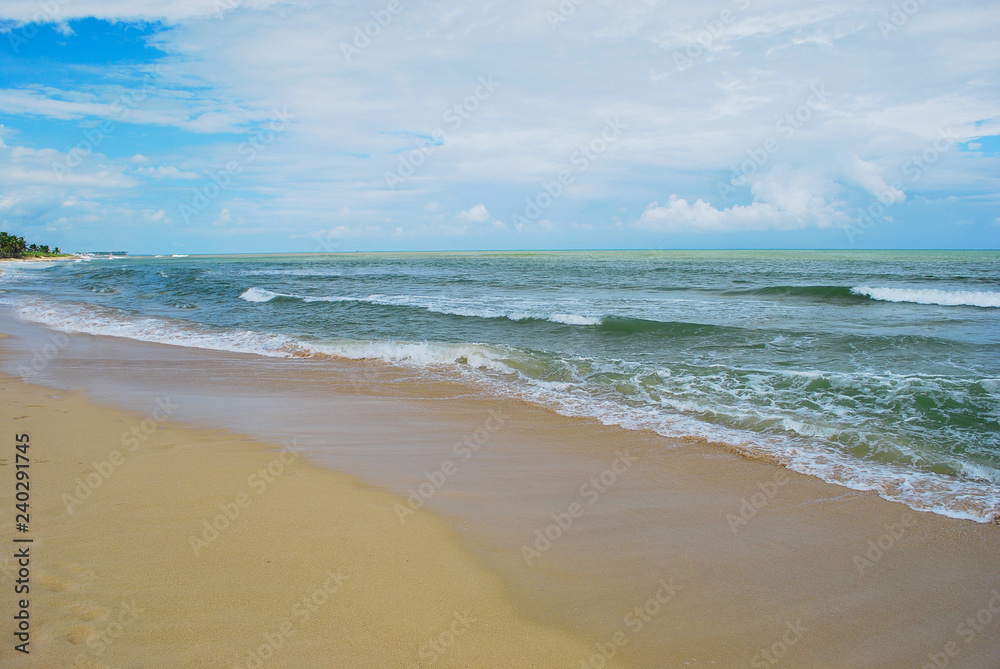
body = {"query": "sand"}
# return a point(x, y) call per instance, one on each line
point(308, 568)
point(567, 540)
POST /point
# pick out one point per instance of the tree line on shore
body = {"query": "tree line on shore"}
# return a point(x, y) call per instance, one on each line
point(12, 246)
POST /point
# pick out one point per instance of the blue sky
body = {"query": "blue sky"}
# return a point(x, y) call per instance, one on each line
point(190, 126)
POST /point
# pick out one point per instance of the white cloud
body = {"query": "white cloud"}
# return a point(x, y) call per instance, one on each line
point(39, 190)
point(157, 216)
point(134, 10)
point(476, 214)
point(337, 233)
point(677, 215)
point(26, 167)
point(353, 121)
point(869, 176)
point(167, 172)
point(155, 105)
point(782, 201)
point(223, 218)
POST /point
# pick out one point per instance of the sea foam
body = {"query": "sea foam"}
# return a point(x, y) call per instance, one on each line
point(439, 305)
point(947, 298)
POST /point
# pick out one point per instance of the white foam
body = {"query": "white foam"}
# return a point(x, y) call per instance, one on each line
point(418, 354)
point(116, 323)
point(258, 295)
point(440, 305)
point(921, 491)
point(573, 319)
point(947, 298)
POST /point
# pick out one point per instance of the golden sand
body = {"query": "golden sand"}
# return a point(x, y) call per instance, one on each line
point(304, 567)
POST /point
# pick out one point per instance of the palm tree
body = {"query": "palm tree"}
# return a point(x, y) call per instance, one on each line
point(11, 246)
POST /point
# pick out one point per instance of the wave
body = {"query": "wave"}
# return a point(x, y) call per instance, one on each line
point(260, 295)
point(947, 298)
point(936, 296)
point(108, 321)
point(609, 324)
point(815, 292)
point(624, 325)
point(452, 307)
point(117, 323)
point(515, 372)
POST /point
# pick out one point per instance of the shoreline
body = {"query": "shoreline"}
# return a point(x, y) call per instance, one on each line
point(61, 258)
point(746, 546)
point(922, 489)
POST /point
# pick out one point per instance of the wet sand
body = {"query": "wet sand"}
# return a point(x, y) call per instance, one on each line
point(657, 553)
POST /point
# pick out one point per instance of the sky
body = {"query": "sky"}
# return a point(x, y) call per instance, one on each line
point(243, 126)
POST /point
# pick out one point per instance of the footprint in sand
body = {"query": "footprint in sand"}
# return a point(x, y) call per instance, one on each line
point(83, 619)
point(94, 625)
point(88, 612)
point(78, 634)
point(72, 577)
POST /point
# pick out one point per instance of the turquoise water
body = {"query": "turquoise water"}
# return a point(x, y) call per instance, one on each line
point(875, 370)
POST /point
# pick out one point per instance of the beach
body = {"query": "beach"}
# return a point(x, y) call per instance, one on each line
point(206, 549)
point(511, 534)
point(567, 335)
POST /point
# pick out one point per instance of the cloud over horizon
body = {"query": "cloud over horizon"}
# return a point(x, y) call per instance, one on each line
point(407, 126)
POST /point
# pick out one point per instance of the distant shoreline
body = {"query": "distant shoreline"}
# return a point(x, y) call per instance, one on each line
point(65, 256)
point(529, 252)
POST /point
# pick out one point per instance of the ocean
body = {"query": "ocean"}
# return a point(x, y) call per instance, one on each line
point(873, 370)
